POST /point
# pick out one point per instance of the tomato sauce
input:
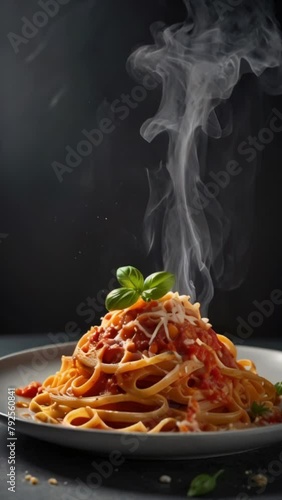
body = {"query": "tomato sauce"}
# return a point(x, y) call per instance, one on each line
point(106, 384)
point(114, 347)
point(111, 340)
point(30, 390)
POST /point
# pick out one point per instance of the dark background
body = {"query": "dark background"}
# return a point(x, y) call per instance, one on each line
point(60, 242)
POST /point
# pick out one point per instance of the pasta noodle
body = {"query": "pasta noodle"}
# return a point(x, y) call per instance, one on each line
point(156, 367)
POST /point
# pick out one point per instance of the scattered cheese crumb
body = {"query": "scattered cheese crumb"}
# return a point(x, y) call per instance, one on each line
point(165, 479)
point(33, 480)
point(28, 477)
point(52, 480)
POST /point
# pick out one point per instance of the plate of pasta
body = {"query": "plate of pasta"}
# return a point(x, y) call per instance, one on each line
point(152, 380)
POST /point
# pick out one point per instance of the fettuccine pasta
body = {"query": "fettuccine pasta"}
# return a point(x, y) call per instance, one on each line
point(156, 367)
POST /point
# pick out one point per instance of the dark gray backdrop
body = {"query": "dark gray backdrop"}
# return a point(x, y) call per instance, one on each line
point(62, 236)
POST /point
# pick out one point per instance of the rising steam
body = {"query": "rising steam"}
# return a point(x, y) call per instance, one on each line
point(205, 238)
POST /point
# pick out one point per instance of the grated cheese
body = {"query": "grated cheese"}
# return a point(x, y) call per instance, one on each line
point(174, 309)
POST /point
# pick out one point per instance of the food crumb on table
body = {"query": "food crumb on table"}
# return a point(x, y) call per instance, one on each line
point(31, 479)
point(248, 472)
point(52, 480)
point(34, 480)
point(259, 479)
point(165, 479)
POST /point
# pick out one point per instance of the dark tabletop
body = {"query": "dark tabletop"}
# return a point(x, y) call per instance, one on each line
point(76, 472)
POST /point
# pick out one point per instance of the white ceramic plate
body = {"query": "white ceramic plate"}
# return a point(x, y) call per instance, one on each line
point(36, 364)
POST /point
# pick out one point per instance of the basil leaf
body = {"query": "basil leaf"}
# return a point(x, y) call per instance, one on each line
point(120, 298)
point(278, 388)
point(130, 277)
point(154, 293)
point(202, 484)
point(162, 280)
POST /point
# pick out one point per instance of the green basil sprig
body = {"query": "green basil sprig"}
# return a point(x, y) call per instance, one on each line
point(134, 286)
point(258, 410)
point(278, 388)
point(203, 483)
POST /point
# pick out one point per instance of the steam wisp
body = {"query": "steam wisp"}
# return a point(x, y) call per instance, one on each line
point(199, 63)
